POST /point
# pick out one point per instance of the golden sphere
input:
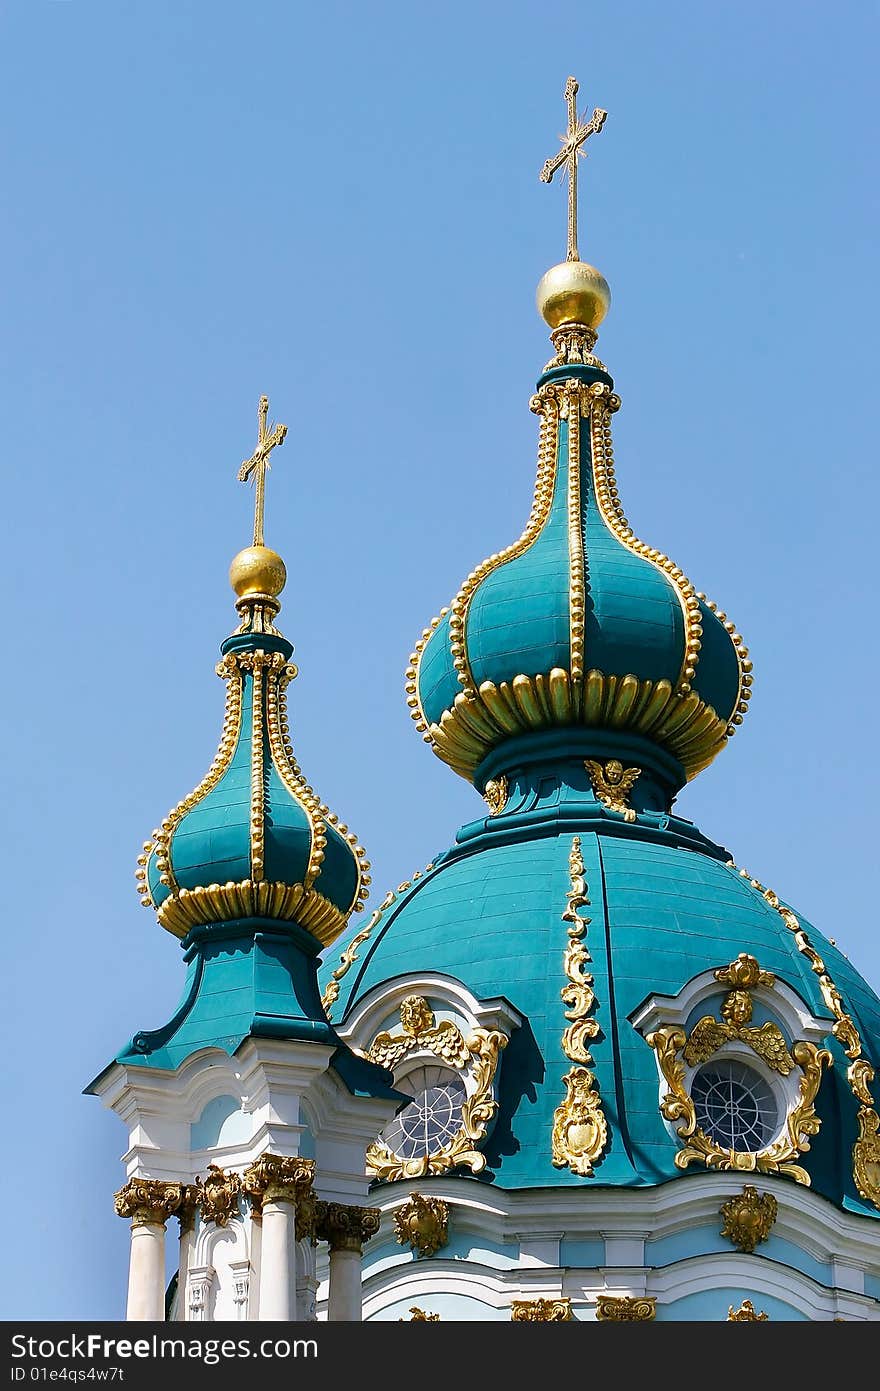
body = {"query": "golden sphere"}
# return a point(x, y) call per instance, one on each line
point(257, 570)
point(573, 293)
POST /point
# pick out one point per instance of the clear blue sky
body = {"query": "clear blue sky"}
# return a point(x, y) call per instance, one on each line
point(338, 204)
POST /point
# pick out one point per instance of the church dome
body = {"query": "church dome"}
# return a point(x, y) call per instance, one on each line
point(665, 914)
point(254, 840)
point(578, 623)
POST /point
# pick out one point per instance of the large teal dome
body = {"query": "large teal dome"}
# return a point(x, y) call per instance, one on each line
point(664, 906)
point(578, 623)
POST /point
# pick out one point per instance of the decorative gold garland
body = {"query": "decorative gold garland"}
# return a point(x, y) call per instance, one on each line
point(580, 1130)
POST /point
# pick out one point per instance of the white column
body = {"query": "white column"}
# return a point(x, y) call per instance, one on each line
point(149, 1203)
point(345, 1229)
point(345, 1303)
point(278, 1261)
point(146, 1273)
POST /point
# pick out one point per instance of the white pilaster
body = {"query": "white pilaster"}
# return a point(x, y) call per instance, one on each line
point(345, 1285)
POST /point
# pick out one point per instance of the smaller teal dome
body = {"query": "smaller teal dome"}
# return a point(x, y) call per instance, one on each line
point(254, 839)
point(578, 623)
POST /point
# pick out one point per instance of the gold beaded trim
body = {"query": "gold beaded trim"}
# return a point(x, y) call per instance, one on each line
point(546, 405)
point(160, 843)
point(577, 596)
point(602, 404)
point(350, 955)
point(258, 776)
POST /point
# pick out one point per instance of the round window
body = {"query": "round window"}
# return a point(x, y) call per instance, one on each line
point(432, 1118)
point(735, 1107)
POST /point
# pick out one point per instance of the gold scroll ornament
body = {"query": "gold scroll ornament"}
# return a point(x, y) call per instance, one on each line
point(580, 1131)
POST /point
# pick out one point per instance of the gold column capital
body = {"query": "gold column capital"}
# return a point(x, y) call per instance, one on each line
point(189, 1206)
point(541, 1311)
point(277, 1178)
point(626, 1308)
point(345, 1228)
point(149, 1202)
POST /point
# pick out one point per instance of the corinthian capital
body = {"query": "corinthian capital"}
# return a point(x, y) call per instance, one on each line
point(277, 1178)
point(345, 1228)
point(149, 1202)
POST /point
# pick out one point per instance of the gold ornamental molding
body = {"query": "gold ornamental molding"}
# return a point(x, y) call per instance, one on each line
point(674, 1048)
point(748, 1217)
point(423, 1224)
point(746, 1313)
point(350, 954)
point(418, 1315)
point(580, 1131)
point(149, 1202)
point(860, 1072)
point(625, 1308)
point(613, 784)
point(277, 1178)
point(476, 1057)
point(218, 1195)
point(541, 1311)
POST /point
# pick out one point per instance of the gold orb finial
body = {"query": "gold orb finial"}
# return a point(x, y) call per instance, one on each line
point(257, 571)
point(573, 293)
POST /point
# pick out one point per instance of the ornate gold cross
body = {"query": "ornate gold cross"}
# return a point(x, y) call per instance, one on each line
point(259, 462)
point(572, 143)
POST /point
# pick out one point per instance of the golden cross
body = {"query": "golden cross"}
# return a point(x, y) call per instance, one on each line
point(572, 142)
point(259, 462)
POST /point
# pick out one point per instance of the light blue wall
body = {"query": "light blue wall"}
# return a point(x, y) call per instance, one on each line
point(461, 1308)
point(222, 1122)
point(707, 1240)
point(582, 1255)
point(711, 1306)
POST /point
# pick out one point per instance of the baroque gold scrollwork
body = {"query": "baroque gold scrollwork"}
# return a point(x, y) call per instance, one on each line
point(748, 1218)
point(476, 1056)
point(580, 1131)
point(625, 1308)
point(541, 1311)
point(669, 1043)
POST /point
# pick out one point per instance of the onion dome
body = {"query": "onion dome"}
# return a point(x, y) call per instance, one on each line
point(578, 624)
point(254, 839)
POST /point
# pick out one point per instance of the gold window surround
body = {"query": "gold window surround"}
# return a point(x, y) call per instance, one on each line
point(793, 1069)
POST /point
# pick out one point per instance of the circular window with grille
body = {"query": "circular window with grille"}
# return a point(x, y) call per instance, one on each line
point(432, 1118)
point(734, 1105)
